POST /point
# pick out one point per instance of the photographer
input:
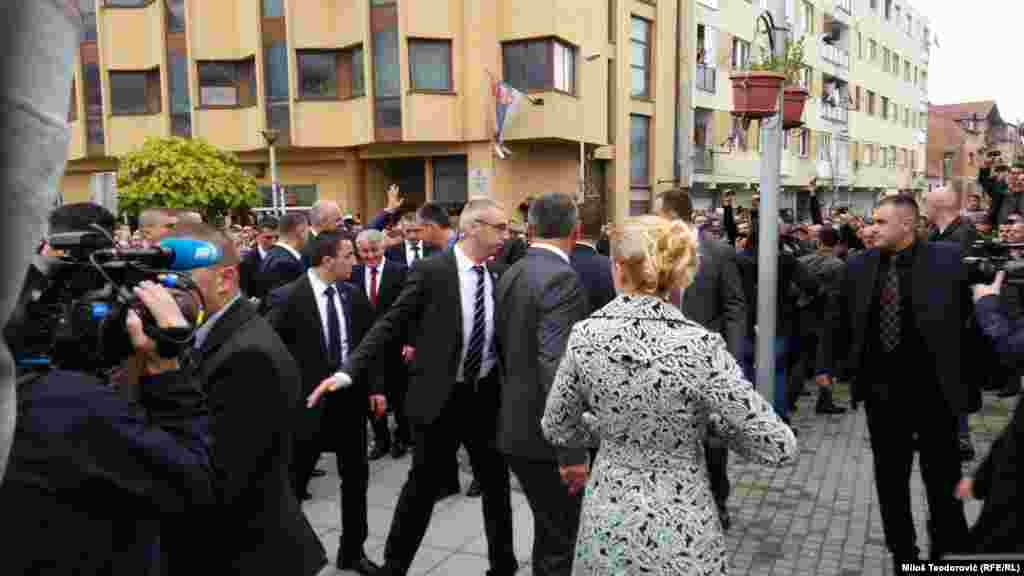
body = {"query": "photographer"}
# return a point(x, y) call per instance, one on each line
point(997, 480)
point(92, 472)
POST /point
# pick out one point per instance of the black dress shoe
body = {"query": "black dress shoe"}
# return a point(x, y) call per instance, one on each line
point(398, 450)
point(724, 518)
point(376, 454)
point(474, 490)
point(362, 565)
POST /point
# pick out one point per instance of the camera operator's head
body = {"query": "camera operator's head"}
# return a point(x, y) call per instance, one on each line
point(895, 225)
point(157, 223)
point(218, 284)
point(334, 254)
point(79, 217)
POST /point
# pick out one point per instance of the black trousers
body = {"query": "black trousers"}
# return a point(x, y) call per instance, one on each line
point(933, 432)
point(396, 393)
point(556, 515)
point(342, 431)
point(717, 454)
point(468, 417)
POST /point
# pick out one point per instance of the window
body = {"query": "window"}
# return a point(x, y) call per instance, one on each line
point(805, 140)
point(824, 147)
point(639, 163)
point(93, 92)
point(135, 92)
point(330, 74)
point(885, 108)
point(451, 179)
point(640, 59)
point(947, 166)
point(73, 106)
point(886, 59)
point(906, 71)
point(740, 53)
point(873, 50)
point(856, 98)
point(707, 46)
point(874, 5)
point(806, 20)
point(913, 161)
point(175, 15)
point(296, 195)
point(273, 8)
point(871, 103)
point(126, 3)
point(530, 65)
point(178, 95)
point(88, 10)
point(430, 64)
point(227, 84)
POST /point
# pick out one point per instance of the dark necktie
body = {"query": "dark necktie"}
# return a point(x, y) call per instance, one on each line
point(333, 330)
point(373, 285)
point(889, 320)
point(415, 251)
point(475, 352)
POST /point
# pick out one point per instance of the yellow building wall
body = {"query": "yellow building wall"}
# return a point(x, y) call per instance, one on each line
point(223, 29)
point(535, 169)
point(333, 123)
point(134, 36)
point(76, 144)
point(327, 24)
point(233, 129)
point(75, 188)
point(128, 133)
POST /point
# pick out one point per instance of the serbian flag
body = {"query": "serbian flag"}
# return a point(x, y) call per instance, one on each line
point(506, 100)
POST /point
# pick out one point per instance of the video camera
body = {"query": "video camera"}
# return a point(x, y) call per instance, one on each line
point(72, 310)
point(986, 257)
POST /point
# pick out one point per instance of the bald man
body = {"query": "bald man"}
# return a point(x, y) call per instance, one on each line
point(944, 219)
point(323, 217)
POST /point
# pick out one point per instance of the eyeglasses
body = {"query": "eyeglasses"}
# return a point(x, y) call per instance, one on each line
point(503, 227)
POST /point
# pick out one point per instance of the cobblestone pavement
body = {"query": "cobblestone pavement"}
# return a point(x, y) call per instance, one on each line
point(817, 518)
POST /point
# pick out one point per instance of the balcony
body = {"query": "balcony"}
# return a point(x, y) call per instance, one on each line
point(707, 78)
point(835, 114)
point(836, 55)
point(703, 160)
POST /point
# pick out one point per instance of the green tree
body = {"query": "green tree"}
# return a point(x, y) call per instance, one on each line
point(184, 173)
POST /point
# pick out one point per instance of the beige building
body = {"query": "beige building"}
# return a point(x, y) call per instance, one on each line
point(364, 93)
point(864, 122)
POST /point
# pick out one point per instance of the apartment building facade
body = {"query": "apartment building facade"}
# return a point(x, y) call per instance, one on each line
point(364, 93)
point(865, 121)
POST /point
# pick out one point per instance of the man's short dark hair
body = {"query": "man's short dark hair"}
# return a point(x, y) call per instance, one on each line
point(828, 237)
point(902, 201)
point(553, 215)
point(80, 217)
point(678, 201)
point(291, 222)
point(434, 213)
point(270, 224)
point(326, 244)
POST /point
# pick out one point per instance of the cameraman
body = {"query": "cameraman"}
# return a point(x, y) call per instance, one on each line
point(997, 480)
point(92, 472)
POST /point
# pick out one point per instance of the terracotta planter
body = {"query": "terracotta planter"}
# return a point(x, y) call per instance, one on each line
point(793, 99)
point(755, 95)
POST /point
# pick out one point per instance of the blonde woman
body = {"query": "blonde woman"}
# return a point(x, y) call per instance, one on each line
point(645, 382)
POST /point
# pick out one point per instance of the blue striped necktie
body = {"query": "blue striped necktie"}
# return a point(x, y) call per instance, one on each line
point(475, 352)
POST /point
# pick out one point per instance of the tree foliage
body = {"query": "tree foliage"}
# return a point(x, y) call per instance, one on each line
point(184, 173)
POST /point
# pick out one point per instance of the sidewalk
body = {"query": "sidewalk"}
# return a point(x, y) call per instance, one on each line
point(817, 518)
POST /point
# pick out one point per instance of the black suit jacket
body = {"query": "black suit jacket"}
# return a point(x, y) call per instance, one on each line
point(959, 232)
point(252, 383)
point(389, 366)
point(431, 299)
point(595, 273)
point(538, 301)
point(397, 254)
point(715, 299)
point(280, 267)
point(942, 305)
point(296, 318)
point(250, 274)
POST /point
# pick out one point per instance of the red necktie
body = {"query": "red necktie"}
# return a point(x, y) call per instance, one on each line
point(373, 285)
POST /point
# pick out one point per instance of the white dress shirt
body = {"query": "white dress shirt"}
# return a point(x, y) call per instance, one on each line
point(467, 290)
point(293, 251)
point(409, 254)
point(368, 275)
point(262, 252)
point(551, 248)
point(319, 287)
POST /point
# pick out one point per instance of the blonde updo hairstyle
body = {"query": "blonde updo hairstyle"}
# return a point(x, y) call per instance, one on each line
point(656, 254)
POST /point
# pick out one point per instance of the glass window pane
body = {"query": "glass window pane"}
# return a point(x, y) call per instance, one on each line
point(537, 77)
point(514, 65)
point(451, 179)
point(276, 71)
point(430, 65)
point(386, 74)
point(319, 74)
point(640, 29)
point(175, 15)
point(358, 76)
point(388, 112)
point(217, 74)
point(639, 82)
point(128, 92)
point(277, 117)
point(639, 54)
point(561, 79)
point(177, 73)
point(273, 9)
point(93, 91)
point(639, 150)
point(218, 95)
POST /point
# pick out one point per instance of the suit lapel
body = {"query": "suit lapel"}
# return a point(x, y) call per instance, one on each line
point(344, 294)
point(455, 287)
point(310, 307)
point(866, 289)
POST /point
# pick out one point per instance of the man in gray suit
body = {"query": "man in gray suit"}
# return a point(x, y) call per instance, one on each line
point(715, 301)
point(538, 300)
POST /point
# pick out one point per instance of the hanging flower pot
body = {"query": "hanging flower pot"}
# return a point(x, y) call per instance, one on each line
point(793, 99)
point(755, 94)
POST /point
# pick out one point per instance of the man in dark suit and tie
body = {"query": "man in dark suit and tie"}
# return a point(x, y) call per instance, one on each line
point(252, 262)
point(381, 281)
point(412, 248)
point(901, 330)
point(252, 383)
point(715, 300)
point(323, 217)
point(454, 394)
point(538, 300)
point(283, 263)
point(321, 299)
point(595, 273)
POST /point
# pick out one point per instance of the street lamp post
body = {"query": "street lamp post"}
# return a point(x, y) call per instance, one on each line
point(581, 194)
point(271, 138)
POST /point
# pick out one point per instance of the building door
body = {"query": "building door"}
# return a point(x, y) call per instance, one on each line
point(451, 181)
point(411, 176)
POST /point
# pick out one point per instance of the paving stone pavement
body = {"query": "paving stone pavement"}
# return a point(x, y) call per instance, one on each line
point(817, 518)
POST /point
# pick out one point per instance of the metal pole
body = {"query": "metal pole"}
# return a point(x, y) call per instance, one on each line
point(273, 182)
point(768, 238)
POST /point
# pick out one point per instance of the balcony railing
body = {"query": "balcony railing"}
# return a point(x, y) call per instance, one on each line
point(835, 113)
point(845, 6)
point(707, 78)
point(836, 55)
point(703, 160)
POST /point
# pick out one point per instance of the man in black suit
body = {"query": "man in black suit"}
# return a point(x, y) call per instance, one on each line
point(595, 273)
point(252, 261)
point(283, 264)
point(538, 300)
point(715, 300)
point(322, 299)
point(252, 383)
point(454, 393)
point(323, 216)
point(380, 282)
point(413, 247)
point(902, 328)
